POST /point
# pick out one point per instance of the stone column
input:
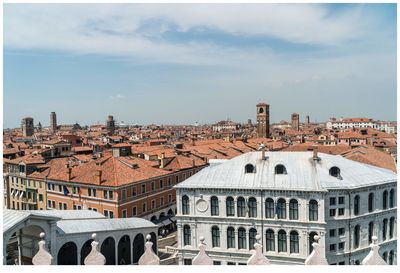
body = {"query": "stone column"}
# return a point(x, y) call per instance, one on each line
point(53, 241)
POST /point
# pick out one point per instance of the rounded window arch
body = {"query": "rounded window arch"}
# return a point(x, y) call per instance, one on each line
point(371, 202)
point(282, 241)
point(241, 238)
point(293, 209)
point(215, 236)
point(186, 235)
point(280, 169)
point(357, 236)
point(185, 205)
point(252, 237)
point(249, 168)
point(241, 207)
point(294, 242)
point(230, 206)
point(313, 210)
point(335, 172)
point(261, 110)
point(384, 199)
point(281, 208)
point(356, 205)
point(270, 240)
point(230, 237)
point(252, 204)
point(269, 208)
point(214, 206)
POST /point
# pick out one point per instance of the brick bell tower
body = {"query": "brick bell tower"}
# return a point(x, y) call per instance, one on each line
point(263, 120)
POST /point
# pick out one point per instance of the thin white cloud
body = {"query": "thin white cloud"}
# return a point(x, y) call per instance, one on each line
point(117, 97)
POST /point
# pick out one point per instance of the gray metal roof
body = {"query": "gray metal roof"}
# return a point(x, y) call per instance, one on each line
point(69, 214)
point(303, 173)
point(101, 225)
point(12, 218)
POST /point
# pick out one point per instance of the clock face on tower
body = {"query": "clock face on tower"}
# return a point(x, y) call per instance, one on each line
point(261, 110)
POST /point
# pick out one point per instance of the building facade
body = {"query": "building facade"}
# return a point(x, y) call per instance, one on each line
point(53, 122)
point(288, 198)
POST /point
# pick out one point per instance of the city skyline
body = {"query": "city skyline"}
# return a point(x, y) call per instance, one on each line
point(178, 64)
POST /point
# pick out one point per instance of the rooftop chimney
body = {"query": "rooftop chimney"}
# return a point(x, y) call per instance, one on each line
point(69, 171)
point(262, 148)
point(315, 152)
point(98, 175)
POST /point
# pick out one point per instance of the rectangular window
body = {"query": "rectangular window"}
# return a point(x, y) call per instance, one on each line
point(152, 186)
point(40, 197)
point(216, 263)
point(60, 188)
point(341, 211)
point(161, 184)
point(60, 206)
point(170, 198)
point(133, 190)
point(92, 192)
point(162, 201)
point(341, 231)
point(48, 203)
point(123, 195)
point(110, 195)
point(341, 200)
point(341, 263)
point(169, 181)
point(143, 188)
point(332, 201)
point(332, 232)
point(124, 213)
point(106, 213)
point(74, 207)
point(187, 261)
point(230, 263)
point(176, 179)
point(111, 214)
point(144, 207)
point(332, 247)
point(332, 212)
point(153, 204)
point(341, 246)
point(48, 186)
point(65, 206)
point(134, 211)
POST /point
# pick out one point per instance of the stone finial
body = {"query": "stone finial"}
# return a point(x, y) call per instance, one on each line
point(42, 257)
point(95, 257)
point(258, 257)
point(202, 258)
point(316, 257)
point(149, 257)
point(373, 257)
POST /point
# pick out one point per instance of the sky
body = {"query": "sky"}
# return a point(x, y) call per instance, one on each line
point(187, 63)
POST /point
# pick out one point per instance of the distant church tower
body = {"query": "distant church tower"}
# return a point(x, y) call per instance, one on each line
point(263, 120)
point(53, 122)
point(295, 122)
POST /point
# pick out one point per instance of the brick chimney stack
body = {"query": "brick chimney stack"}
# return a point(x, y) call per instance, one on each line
point(98, 175)
point(315, 152)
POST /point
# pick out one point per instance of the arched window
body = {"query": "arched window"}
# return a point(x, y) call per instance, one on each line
point(391, 198)
point(391, 227)
point(249, 168)
point(252, 237)
point(385, 256)
point(230, 237)
point(215, 236)
point(185, 205)
point(293, 209)
point(241, 207)
point(313, 210)
point(356, 205)
point(280, 169)
point(269, 208)
point(357, 236)
point(186, 235)
point(371, 202)
point(230, 206)
point(281, 209)
point(252, 207)
point(384, 199)
point(282, 242)
point(294, 242)
point(214, 206)
point(311, 241)
point(270, 238)
point(384, 229)
point(391, 257)
point(241, 238)
point(370, 231)
point(335, 172)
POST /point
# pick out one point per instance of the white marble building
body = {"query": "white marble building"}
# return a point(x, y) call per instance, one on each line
point(287, 198)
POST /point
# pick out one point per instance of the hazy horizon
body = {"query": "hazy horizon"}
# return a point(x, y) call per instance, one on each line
point(187, 63)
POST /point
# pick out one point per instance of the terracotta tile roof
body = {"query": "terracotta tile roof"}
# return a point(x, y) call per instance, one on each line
point(371, 155)
point(302, 147)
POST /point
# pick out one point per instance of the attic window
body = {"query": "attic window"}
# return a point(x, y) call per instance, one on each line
point(280, 169)
point(249, 168)
point(335, 172)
